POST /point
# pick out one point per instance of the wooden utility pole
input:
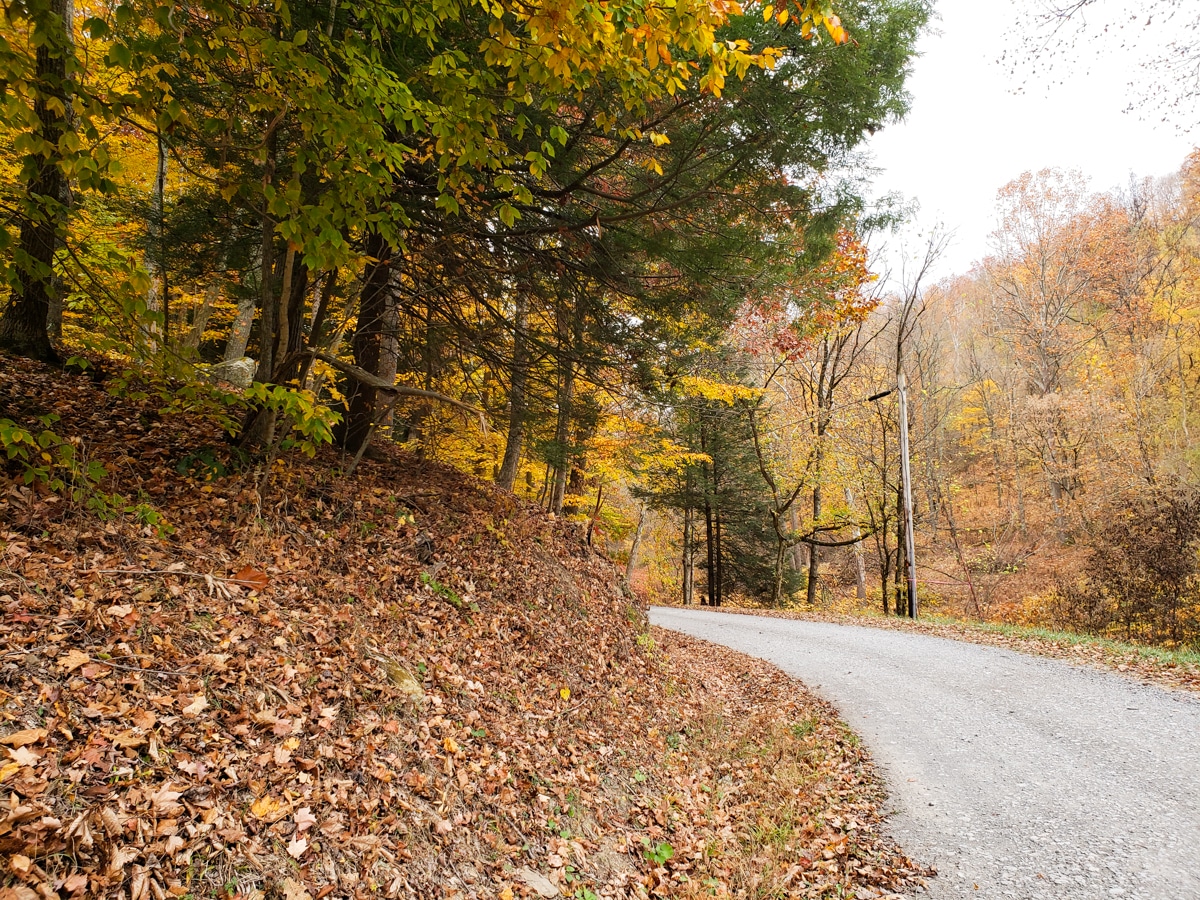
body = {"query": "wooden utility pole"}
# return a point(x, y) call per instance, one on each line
point(906, 487)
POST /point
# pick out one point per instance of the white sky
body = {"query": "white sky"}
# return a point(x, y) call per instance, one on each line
point(969, 133)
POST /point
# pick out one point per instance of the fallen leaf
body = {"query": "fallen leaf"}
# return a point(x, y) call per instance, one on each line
point(294, 890)
point(130, 738)
point(268, 808)
point(538, 882)
point(75, 882)
point(304, 819)
point(120, 611)
point(73, 659)
point(20, 865)
point(21, 738)
point(248, 576)
point(111, 822)
point(198, 705)
point(297, 847)
point(164, 801)
point(23, 756)
point(121, 857)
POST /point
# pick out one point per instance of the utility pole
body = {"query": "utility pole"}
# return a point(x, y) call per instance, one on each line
point(906, 485)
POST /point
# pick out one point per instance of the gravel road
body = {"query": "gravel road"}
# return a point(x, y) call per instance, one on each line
point(1015, 776)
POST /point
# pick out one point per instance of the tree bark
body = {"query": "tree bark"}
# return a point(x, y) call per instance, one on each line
point(860, 568)
point(814, 552)
point(23, 326)
point(156, 301)
point(239, 334)
point(720, 567)
point(566, 391)
point(367, 344)
point(899, 600)
point(631, 563)
point(267, 323)
point(689, 542)
point(196, 333)
point(389, 344)
point(518, 382)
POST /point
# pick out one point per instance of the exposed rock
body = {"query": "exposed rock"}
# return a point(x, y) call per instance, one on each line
point(237, 372)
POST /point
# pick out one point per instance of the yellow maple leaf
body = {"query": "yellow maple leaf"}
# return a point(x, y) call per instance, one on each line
point(266, 806)
point(565, 693)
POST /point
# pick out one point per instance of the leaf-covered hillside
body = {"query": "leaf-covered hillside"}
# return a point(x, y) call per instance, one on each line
point(404, 684)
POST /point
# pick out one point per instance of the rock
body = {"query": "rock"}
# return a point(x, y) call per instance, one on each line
point(237, 372)
point(540, 883)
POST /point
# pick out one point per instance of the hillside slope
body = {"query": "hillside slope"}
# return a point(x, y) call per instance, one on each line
point(403, 684)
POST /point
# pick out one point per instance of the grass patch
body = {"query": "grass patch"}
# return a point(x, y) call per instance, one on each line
point(1161, 655)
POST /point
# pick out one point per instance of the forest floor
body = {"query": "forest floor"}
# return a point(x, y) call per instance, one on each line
point(400, 684)
point(1150, 665)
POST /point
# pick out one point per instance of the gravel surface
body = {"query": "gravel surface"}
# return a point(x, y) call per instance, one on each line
point(1015, 776)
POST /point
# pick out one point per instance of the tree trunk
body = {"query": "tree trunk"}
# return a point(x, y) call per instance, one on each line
point(899, 599)
point(720, 567)
point(860, 566)
point(23, 326)
point(389, 344)
point(156, 293)
point(709, 547)
point(566, 391)
point(239, 334)
point(367, 344)
point(780, 560)
point(267, 324)
point(518, 381)
point(796, 555)
point(814, 552)
point(631, 563)
point(196, 333)
point(689, 542)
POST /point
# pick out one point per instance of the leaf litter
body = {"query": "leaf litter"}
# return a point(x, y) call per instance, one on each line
point(406, 684)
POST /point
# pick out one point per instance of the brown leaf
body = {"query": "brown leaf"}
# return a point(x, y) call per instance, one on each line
point(120, 858)
point(75, 882)
point(21, 738)
point(294, 890)
point(304, 819)
point(111, 822)
point(198, 705)
point(164, 801)
point(268, 808)
point(23, 756)
point(73, 659)
point(250, 577)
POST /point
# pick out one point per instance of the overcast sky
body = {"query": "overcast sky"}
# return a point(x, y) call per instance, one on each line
point(969, 132)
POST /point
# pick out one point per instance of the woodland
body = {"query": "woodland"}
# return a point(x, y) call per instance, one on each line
point(620, 270)
point(367, 367)
point(340, 346)
point(553, 247)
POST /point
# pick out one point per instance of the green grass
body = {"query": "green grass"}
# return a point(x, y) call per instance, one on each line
point(1162, 655)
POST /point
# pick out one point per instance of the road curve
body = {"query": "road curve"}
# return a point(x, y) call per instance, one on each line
point(1015, 776)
